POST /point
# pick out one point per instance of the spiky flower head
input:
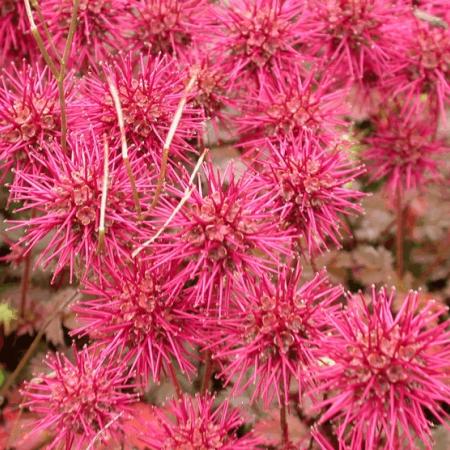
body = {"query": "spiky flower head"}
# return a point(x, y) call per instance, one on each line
point(272, 340)
point(14, 32)
point(253, 35)
point(29, 115)
point(99, 33)
point(196, 423)
point(403, 151)
point(311, 189)
point(355, 37)
point(81, 401)
point(387, 371)
point(67, 204)
point(133, 309)
point(214, 85)
point(422, 69)
point(221, 230)
point(167, 26)
point(292, 104)
point(150, 90)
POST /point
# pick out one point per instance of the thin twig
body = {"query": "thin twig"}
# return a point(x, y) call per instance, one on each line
point(29, 353)
point(175, 381)
point(429, 18)
point(37, 8)
point(38, 38)
point(187, 193)
point(25, 283)
point(101, 227)
point(283, 415)
point(207, 373)
point(62, 72)
point(399, 238)
point(70, 36)
point(123, 140)
point(170, 136)
point(114, 419)
point(283, 423)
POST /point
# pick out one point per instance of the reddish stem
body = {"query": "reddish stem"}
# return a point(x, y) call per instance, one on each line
point(399, 237)
point(284, 425)
point(283, 419)
point(207, 372)
point(25, 284)
point(175, 381)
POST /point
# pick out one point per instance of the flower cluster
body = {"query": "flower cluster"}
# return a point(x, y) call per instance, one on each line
point(228, 285)
point(292, 104)
point(66, 201)
point(403, 151)
point(100, 28)
point(135, 310)
point(355, 37)
point(221, 231)
point(386, 371)
point(78, 399)
point(29, 116)
point(275, 332)
point(196, 423)
point(169, 27)
point(253, 35)
point(150, 90)
point(311, 189)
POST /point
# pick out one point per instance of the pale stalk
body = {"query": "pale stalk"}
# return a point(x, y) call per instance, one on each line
point(123, 140)
point(187, 193)
point(102, 431)
point(40, 42)
point(37, 8)
point(62, 73)
point(101, 227)
point(169, 138)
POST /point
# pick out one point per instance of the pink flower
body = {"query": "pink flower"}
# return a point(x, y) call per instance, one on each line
point(150, 90)
point(221, 230)
point(355, 37)
point(273, 339)
point(79, 402)
point(99, 33)
point(167, 26)
point(404, 151)
point(15, 37)
point(29, 116)
point(310, 188)
point(131, 308)
point(422, 69)
point(214, 87)
point(66, 200)
point(387, 372)
point(292, 104)
point(253, 35)
point(194, 423)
